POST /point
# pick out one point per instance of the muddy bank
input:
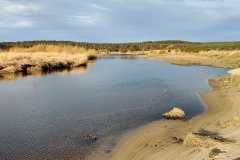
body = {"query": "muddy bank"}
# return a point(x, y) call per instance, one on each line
point(32, 65)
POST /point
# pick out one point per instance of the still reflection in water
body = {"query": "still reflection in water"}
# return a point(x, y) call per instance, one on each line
point(57, 116)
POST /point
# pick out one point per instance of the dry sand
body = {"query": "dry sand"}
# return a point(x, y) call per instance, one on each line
point(174, 140)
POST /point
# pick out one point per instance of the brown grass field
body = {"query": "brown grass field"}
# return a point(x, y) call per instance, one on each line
point(44, 58)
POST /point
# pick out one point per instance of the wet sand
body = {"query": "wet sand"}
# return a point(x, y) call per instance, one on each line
point(174, 140)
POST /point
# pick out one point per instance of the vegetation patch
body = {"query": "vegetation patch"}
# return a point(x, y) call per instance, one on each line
point(44, 58)
point(183, 46)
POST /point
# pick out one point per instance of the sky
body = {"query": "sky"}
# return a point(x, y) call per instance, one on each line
point(120, 20)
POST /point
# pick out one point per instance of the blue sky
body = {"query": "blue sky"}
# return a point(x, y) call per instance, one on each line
point(119, 20)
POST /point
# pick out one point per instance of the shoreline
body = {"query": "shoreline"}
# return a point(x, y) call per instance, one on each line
point(43, 59)
point(157, 140)
point(169, 139)
point(46, 68)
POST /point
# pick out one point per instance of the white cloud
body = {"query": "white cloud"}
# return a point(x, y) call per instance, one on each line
point(9, 7)
point(84, 20)
point(99, 7)
point(15, 14)
point(94, 14)
point(23, 24)
point(17, 24)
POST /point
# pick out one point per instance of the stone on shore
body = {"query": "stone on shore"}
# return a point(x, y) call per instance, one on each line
point(175, 113)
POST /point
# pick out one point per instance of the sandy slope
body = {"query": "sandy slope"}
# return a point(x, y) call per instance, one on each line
point(216, 58)
point(157, 141)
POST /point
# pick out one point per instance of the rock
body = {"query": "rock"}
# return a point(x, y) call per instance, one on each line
point(1, 67)
point(24, 68)
point(92, 57)
point(84, 139)
point(235, 72)
point(175, 113)
point(50, 67)
point(88, 138)
point(60, 66)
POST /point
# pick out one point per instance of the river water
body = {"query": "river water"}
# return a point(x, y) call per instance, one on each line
point(48, 117)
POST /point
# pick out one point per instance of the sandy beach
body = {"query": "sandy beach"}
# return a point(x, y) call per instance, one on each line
point(214, 134)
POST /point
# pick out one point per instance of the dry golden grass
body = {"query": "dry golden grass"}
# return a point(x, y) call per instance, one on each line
point(50, 48)
point(218, 58)
point(43, 58)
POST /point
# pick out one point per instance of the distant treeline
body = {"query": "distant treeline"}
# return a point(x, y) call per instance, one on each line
point(138, 46)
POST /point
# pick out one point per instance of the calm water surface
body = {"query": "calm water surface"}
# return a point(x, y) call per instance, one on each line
point(43, 117)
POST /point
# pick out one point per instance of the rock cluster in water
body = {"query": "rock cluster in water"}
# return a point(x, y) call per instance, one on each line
point(88, 138)
point(175, 113)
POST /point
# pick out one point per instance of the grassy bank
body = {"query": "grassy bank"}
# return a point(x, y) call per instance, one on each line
point(220, 54)
point(43, 58)
point(216, 58)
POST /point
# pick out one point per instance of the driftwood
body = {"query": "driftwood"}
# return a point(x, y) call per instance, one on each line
point(214, 152)
point(213, 135)
point(177, 140)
